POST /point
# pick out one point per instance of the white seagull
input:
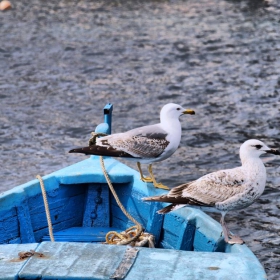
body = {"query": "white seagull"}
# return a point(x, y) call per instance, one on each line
point(145, 144)
point(224, 190)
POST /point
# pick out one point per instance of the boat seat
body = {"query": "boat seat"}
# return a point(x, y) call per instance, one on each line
point(98, 261)
point(82, 234)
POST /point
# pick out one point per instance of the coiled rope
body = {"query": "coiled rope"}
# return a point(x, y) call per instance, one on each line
point(133, 235)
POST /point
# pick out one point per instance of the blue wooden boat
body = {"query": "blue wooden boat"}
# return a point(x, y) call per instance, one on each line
point(82, 209)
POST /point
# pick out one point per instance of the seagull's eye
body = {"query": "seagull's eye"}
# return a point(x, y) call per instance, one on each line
point(178, 109)
point(258, 147)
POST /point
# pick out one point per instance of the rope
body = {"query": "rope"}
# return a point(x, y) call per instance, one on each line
point(133, 235)
point(46, 207)
point(122, 238)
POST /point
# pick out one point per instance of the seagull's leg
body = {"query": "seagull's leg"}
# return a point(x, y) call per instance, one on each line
point(229, 238)
point(156, 185)
point(144, 179)
point(224, 227)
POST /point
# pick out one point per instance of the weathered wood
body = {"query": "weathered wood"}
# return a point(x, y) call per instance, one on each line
point(9, 226)
point(35, 202)
point(154, 223)
point(171, 229)
point(82, 234)
point(66, 210)
point(61, 210)
point(133, 204)
point(25, 227)
point(186, 237)
point(73, 261)
point(98, 261)
point(10, 264)
point(97, 208)
point(73, 222)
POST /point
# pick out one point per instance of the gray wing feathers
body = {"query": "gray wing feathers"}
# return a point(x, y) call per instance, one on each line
point(207, 191)
point(148, 142)
point(216, 187)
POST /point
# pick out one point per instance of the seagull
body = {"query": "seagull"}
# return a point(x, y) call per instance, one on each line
point(224, 190)
point(146, 144)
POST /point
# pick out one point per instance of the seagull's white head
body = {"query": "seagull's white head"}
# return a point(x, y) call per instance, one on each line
point(254, 149)
point(174, 111)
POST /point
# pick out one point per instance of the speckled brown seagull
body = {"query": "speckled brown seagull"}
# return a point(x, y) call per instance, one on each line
point(224, 190)
point(145, 144)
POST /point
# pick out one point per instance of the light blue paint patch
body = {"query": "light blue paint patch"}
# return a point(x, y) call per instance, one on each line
point(173, 264)
point(73, 261)
point(98, 261)
point(10, 264)
point(89, 171)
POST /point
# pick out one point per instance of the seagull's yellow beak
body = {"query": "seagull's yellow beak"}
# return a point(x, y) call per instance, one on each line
point(189, 111)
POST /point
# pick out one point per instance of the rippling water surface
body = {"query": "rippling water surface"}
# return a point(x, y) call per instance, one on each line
point(62, 61)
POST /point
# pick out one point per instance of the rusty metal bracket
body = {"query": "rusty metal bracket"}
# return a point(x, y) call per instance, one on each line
point(126, 263)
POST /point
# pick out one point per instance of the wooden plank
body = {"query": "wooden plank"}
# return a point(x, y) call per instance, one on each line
point(97, 208)
point(14, 240)
point(99, 261)
point(203, 243)
point(132, 202)
point(9, 228)
point(171, 229)
point(186, 237)
point(82, 234)
point(6, 214)
point(155, 220)
point(89, 171)
point(60, 210)
point(25, 227)
point(55, 195)
point(66, 260)
point(119, 220)
point(168, 239)
point(10, 264)
point(72, 222)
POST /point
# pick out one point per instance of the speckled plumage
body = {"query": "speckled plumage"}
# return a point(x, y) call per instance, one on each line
point(148, 142)
point(224, 190)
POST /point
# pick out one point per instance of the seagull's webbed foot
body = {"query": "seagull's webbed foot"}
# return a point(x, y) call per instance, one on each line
point(161, 186)
point(142, 178)
point(156, 184)
point(235, 239)
point(146, 179)
point(229, 238)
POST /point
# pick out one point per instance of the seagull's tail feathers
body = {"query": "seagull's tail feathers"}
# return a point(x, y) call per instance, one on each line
point(176, 199)
point(100, 151)
point(164, 198)
point(169, 208)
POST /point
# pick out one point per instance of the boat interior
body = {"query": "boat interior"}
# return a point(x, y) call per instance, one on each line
point(83, 209)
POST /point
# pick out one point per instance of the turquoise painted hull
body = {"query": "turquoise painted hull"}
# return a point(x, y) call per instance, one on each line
point(82, 210)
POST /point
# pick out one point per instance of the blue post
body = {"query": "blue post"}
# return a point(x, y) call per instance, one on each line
point(108, 110)
point(106, 127)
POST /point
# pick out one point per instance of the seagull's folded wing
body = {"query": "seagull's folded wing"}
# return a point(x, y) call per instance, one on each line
point(144, 142)
point(212, 188)
point(207, 190)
